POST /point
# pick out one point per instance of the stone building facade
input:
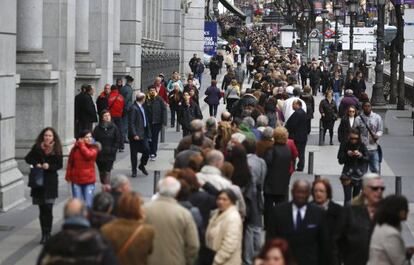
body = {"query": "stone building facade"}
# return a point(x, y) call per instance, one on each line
point(48, 48)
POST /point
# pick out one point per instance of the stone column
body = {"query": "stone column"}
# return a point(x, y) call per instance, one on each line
point(101, 35)
point(86, 70)
point(11, 179)
point(37, 78)
point(120, 67)
point(59, 46)
point(131, 35)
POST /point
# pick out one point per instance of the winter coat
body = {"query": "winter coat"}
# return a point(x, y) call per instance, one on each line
point(354, 167)
point(85, 110)
point(278, 160)
point(224, 236)
point(188, 113)
point(199, 69)
point(162, 92)
point(102, 102)
point(116, 104)
point(358, 87)
point(329, 109)
point(310, 104)
point(213, 95)
point(344, 128)
point(127, 93)
point(170, 87)
point(253, 192)
point(346, 102)
point(315, 77)
point(214, 67)
point(175, 100)
point(117, 233)
point(50, 180)
point(107, 134)
point(156, 110)
point(136, 125)
point(81, 164)
point(176, 239)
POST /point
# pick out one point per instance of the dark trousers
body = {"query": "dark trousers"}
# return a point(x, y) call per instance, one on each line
point(351, 190)
point(81, 126)
point(173, 112)
point(301, 150)
point(213, 76)
point(46, 217)
point(242, 56)
point(303, 79)
point(270, 201)
point(155, 132)
point(140, 146)
point(119, 125)
point(315, 88)
point(213, 110)
point(186, 132)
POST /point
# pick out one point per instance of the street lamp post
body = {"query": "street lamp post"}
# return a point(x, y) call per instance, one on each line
point(353, 6)
point(293, 14)
point(324, 15)
point(378, 88)
point(306, 16)
point(337, 13)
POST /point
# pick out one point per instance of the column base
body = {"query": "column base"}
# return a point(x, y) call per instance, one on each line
point(86, 70)
point(121, 68)
point(11, 185)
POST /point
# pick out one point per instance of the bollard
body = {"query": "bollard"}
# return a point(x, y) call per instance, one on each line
point(317, 177)
point(310, 163)
point(162, 134)
point(175, 153)
point(157, 175)
point(321, 140)
point(398, 185)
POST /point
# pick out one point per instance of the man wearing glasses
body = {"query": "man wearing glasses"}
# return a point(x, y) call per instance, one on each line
point(357, 223)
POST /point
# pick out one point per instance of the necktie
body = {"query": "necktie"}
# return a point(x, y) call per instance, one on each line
point(298, 220)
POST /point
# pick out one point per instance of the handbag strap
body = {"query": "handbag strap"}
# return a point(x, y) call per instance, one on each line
point(369, 130)
point(129, 241)
point(113, 102)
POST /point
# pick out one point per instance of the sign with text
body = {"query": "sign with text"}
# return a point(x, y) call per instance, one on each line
point(210, 37)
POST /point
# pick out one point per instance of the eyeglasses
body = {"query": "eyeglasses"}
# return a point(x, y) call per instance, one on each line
point(351, 111)
point(377, 188)
point(354, 138)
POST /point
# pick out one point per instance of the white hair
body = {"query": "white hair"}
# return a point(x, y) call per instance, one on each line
point(169, 187)
point(238, 137)
point(118, 180)
point(368, 177)
point(262, 121)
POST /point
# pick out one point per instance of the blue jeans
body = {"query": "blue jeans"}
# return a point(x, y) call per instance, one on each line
point(374, 164)
point(337, 98)
point(199, 76)
point(84, 192)
point(252, 243)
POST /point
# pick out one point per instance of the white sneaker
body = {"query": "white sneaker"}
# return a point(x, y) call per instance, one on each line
point(152, 157)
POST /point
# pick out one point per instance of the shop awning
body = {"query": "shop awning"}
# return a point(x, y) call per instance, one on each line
point(233, 9)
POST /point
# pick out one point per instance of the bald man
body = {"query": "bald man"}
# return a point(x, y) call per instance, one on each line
point(302, 225)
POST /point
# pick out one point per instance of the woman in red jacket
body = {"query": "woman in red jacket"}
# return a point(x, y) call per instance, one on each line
point(81, 168)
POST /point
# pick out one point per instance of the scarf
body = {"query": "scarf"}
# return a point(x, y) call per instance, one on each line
point(47, 148)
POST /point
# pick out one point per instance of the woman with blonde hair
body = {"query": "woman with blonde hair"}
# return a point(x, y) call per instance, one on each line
point(224, 133)
point(131, 238)
point(232, 94)
point(278, 159)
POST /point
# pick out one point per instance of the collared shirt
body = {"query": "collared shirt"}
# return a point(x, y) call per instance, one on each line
point(351, 121)
point(144, 116)
point(295, 210)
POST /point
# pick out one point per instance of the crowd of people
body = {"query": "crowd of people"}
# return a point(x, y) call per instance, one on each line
point(231, 177)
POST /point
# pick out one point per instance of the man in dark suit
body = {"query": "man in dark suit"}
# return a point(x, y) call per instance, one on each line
point(139, 133)
point(298, 131)
point(85, 111)
point(303, 226)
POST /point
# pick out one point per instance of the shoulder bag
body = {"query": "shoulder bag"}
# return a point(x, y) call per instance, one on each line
point(129, 241)
point(379, 149)
point(36, 177)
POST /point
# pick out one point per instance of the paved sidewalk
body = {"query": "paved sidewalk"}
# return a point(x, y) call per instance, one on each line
point(19, 228)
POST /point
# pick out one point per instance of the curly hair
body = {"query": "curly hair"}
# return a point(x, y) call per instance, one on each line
point(280, 135)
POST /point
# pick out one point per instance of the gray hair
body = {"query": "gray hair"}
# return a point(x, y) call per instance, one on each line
point(211, 122)
point(74, 208)
point(368, 177)
point(118, 180)
point(349, 92)
point(169, 187)
point(213, 157)
point(196, 125)
point(267, 133)
point(249, 121)
point(238, 137)
point(102, 202)
point(262, 121)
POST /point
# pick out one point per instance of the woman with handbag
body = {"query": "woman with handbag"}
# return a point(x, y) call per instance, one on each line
point(130, 237)
point(80, 171)
point(353, 154)
point(45, 159)
point(329, 114)
point(232, 94)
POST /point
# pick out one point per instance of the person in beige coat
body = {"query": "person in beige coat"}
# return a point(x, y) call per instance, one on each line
point(224, 231)
point(176, 239)
point(387, 246)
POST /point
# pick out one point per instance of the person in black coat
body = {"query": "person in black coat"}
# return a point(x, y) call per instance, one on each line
point(304, 70)
point(276, 182)
point(307, 97)
point(325, 79)
point(77, 243)
point(322, 197)
point(329, 114)
point(102, 100)
point(298, 131)
point(315, 79)
point(189, 111)
point(46, 153)
point(139, 133)
point(214, 68)
point(358, 84)
point(85, 111)
point(347, 123)
point(303, 225)
point(157, 115)
point(108, 135)
point(353, 154)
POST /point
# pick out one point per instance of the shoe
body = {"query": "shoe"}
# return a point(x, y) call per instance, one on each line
point(299, 169)
point(43, 240)
point(331, 143)
point(126, 141)
point(152, 157)
point(121, 150)
point(172, 125)
point(142, 168)
point(134, 175)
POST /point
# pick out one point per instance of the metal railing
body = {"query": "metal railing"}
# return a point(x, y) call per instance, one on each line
point(154, 63)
